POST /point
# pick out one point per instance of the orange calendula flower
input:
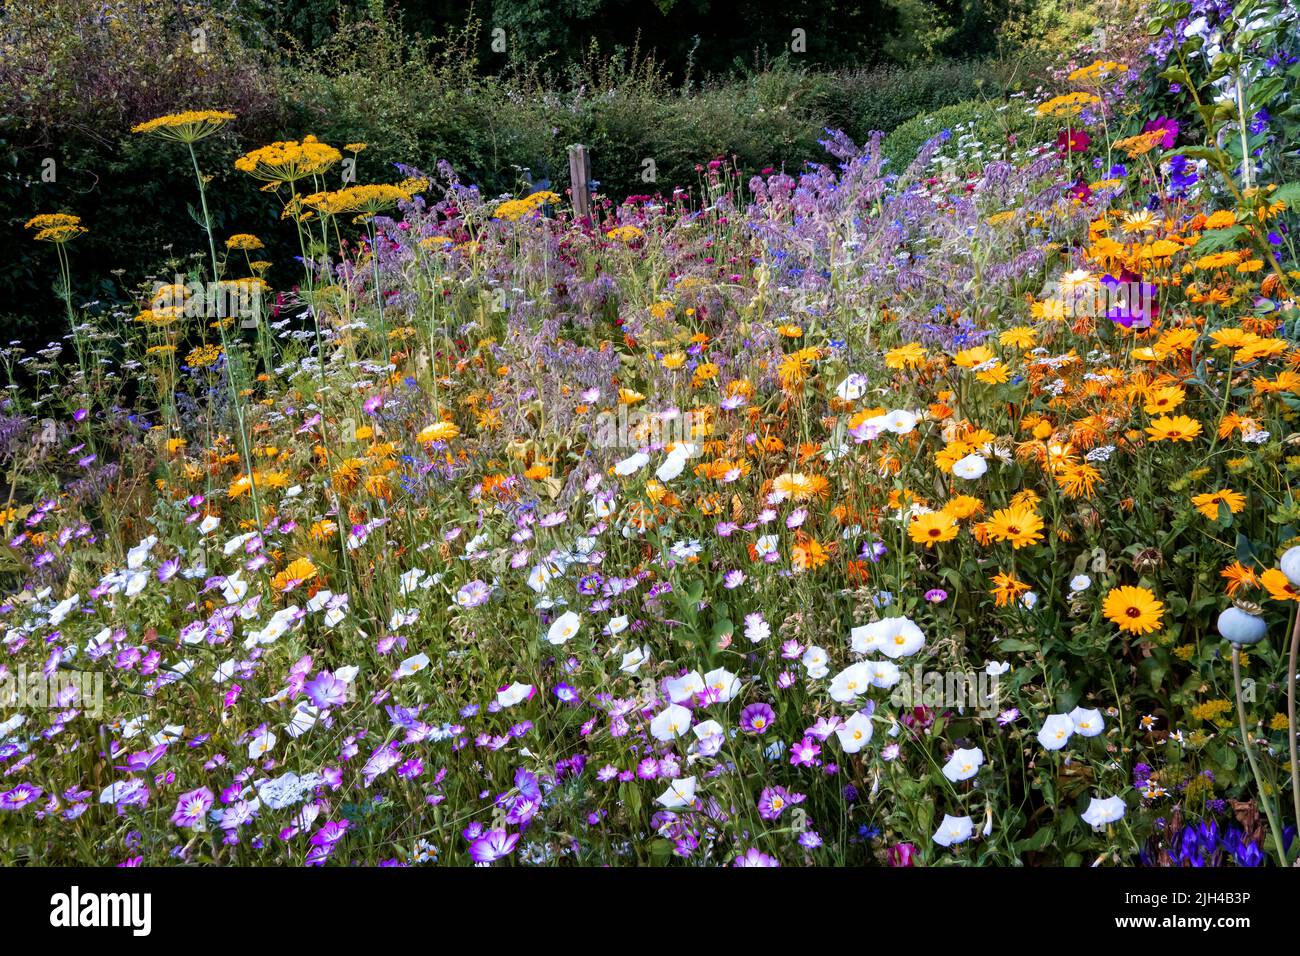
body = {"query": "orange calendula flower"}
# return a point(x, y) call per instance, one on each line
point(1018, 524)
point(905, 356)
point(1208, 504)
point(1173, 428)
point(1006, 588)
point(298, 572)
point(808, 553)
point(1133, 609)
point(932, 527)
point(1279, 588)
point(1238, 576)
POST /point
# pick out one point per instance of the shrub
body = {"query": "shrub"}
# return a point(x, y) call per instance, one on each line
point(979, 131)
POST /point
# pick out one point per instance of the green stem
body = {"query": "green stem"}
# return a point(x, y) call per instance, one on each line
point(1250, 754)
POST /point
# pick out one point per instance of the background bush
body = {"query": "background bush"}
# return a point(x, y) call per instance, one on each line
point(78, 74)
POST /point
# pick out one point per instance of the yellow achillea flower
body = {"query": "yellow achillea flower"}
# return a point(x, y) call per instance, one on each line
point(932, 527)
point(188, 127)
point(1133, 609)
point(203, 356)
point(1019, 524)
point(1174, 428)
point(1208, 504)
point(1097, 70)
point(625, 233)
point(1067, 104)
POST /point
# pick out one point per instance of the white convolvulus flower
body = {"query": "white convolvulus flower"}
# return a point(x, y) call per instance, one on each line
point(61, 610)
point(684, 687)
point(632, 464)
point(509, 696)
point(1103, 810)
point(1087, 723)
point(954, 830)
point(136, 556)
point(963, 764)
point(853, 387)
point(539, 577)
point(672, 466)
point(680, 793)
point(854, 733)
point(894, 637)
point(850, 683)
point(884, 673)
point(633, 659)
point(814, 661)
point(900, 422)
point(412, 665)
point(616, 625)
point(971, 467)
point(722, 684)
point(564, 627)
point(1080, 582)
point(209, 524)
point(261, 744)
point(1056, 731)
point(671, 722)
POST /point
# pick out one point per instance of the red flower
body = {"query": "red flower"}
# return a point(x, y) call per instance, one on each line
point(1072, 141)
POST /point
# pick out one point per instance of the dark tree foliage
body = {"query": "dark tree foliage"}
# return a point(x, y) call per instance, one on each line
point(686, 37)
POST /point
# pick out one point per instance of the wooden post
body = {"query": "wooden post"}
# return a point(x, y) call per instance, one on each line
point(579, 178)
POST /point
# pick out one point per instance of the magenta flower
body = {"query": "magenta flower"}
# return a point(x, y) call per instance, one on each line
point(492, 846)
point(754, 857)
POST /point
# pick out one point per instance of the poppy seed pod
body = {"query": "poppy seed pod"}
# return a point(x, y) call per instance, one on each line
point(1241, 628)
point(1291, 566)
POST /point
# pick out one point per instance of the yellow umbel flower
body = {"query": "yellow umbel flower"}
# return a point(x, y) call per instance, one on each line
point(188, 127)
point(289, 161)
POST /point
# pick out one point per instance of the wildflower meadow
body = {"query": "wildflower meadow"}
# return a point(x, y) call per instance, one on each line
point(864, 513)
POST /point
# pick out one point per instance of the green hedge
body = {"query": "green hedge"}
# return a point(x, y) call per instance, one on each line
point(979, 131)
